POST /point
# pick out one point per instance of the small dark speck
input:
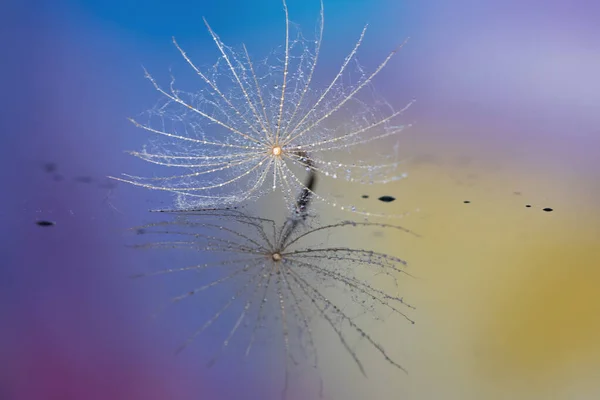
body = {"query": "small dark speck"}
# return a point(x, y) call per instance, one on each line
point(45, 223)
point(84, 179)
point(365, 196)
point(528, 205)
point(467, 201)
point(140, 231)
point(50, 167)
point(387, 199)
point(547, 209)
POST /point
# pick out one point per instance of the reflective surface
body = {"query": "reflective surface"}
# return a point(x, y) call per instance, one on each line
point(505, 294)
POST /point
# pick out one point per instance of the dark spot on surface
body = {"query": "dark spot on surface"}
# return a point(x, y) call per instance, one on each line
point(50, 167)
point(365, 196)
point(45, 223)
point(84, 179)
point(528, 205)
point(547, 209)
point(467, 201)
point(387, 199)
point(140, 231)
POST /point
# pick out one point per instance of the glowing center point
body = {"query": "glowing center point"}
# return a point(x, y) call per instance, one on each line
point(276, 150)
point(276, 257)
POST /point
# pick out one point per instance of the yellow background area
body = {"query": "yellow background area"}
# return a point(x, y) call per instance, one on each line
point(507, 297)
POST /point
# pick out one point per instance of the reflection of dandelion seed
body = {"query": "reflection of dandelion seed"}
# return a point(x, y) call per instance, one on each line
point(254, 125)
point(281, 275)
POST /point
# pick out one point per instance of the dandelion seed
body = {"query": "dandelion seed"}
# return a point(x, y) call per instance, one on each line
point(256, 122)
point(283, 278)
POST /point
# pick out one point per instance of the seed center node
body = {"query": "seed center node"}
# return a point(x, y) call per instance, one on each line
point(276, 150)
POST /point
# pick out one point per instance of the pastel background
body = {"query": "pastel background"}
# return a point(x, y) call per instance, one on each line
point(507, 94)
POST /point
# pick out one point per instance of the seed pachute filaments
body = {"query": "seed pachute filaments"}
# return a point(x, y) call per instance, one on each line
point(261, 126)
point(242, 134)
point(282, 278)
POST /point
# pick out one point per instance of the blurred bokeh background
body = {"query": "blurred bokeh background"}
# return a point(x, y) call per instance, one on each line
point(507, 94)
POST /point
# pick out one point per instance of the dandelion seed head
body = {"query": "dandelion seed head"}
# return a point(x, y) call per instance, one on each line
point(256, 124)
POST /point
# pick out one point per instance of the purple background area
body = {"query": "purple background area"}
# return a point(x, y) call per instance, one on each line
point(524, 74)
